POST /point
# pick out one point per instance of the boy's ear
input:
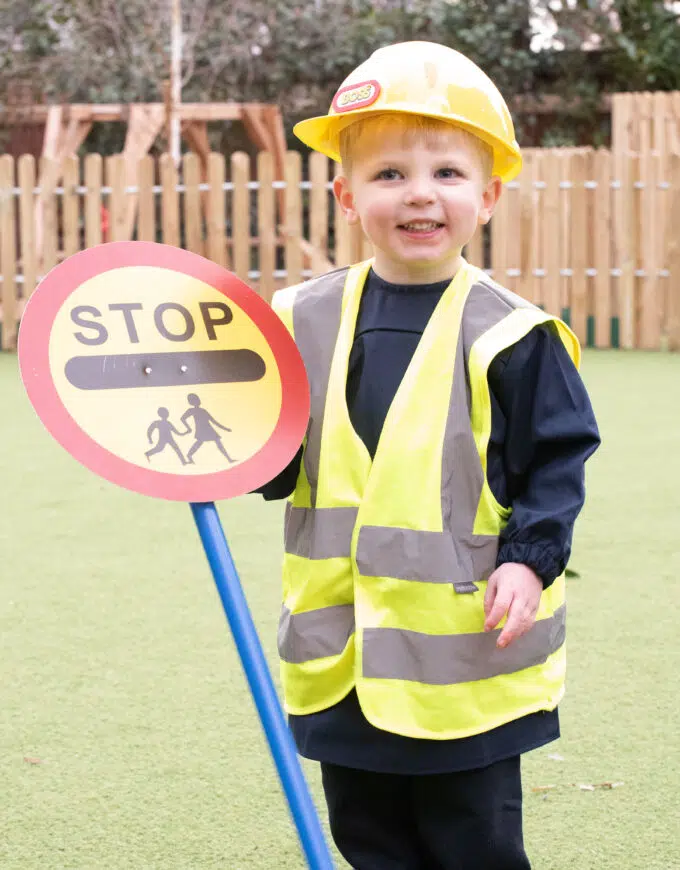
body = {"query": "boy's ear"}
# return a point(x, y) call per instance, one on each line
point(490, 197)
point(345, 198)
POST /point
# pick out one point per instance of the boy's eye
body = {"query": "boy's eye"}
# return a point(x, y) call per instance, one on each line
point(388, 175)
point(448, 172)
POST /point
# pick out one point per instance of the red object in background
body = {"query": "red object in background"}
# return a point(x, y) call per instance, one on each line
point(105, 223)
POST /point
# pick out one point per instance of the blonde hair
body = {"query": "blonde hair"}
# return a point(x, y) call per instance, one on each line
point(411, 127)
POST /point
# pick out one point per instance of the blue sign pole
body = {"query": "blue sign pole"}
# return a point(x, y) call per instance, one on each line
point(261, 685)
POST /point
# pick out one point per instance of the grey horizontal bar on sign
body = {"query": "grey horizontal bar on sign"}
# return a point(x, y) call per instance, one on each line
point(315, 634)
point(177, 368)
point(444, 660)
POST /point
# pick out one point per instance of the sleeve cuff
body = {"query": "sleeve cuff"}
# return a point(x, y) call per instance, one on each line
point(541, 559)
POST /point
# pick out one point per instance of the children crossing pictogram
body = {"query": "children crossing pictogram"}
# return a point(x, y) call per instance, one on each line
point(204, 431)
point(204, 427)
point(165, 430)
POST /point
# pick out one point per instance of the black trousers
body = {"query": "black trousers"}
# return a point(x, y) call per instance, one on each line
point(470, 820)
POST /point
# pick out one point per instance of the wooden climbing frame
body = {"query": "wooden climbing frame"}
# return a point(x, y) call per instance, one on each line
point(67, 127)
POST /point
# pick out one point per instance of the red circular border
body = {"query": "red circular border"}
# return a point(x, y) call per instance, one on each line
point(33, 351)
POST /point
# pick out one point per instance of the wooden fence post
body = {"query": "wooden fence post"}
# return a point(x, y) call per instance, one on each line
point(8, 255)
point(216, 211)
point(193, 207)
point(240, 214)
point(662, 206)
point(649, 297)
point(29, 266)
point(602, 238)
point(146, 214)
point(673, 254)
point(293, 217)
point(566, 197)
point(530, 234)
point(550, 233)
point(579, 247)
point(169, 201)
point(115, 179)
point(70, 206)
point(266, 224)
point(93, 200)
point(318, 211)
point(623, 211)
point(48, 211)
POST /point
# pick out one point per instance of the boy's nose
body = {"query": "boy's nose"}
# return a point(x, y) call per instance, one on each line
point(419, 193)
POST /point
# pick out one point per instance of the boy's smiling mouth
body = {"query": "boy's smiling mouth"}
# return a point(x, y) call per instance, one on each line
point(420, 227)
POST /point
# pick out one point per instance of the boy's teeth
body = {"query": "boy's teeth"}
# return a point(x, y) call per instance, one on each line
point(421, 225)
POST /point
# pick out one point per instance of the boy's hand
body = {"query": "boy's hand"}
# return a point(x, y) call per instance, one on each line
point(516, 590)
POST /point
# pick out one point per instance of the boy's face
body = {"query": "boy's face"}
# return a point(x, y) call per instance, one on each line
point(419, 199)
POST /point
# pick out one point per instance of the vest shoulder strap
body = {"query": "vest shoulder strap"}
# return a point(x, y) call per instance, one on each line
point(284, 301)
point(496, 318)
point(286, 297)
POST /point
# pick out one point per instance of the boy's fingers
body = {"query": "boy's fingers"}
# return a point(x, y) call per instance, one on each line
point(498, 610)
point(489, 595)
point(520, 620)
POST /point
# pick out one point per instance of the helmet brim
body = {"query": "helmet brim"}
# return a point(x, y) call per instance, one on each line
point(322, 134)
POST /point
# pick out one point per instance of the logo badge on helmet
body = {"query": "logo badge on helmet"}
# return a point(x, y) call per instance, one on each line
point(356, 96)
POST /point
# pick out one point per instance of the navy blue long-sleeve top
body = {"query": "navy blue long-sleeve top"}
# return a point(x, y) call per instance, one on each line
point(542, 431)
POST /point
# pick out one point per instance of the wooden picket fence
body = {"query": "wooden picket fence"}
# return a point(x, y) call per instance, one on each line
point(644, 122)
point(589, 235)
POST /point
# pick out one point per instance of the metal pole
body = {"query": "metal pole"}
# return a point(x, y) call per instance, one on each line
point(175, 79)
point(261, 686)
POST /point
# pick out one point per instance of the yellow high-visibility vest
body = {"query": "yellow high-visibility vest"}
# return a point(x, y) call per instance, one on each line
point(386, 560)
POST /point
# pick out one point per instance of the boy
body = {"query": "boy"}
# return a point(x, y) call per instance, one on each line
point(433, 502)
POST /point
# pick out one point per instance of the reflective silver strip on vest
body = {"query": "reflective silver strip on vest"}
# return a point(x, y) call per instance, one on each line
point(315, 634)
point(316, 321)
point(443, 660)
point(429, 557)
point(320, 533)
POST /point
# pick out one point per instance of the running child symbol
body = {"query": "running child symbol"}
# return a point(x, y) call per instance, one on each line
point(204, 430)
point(165, 430)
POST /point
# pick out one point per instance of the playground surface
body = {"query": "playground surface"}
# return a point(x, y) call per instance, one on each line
point(127, 733)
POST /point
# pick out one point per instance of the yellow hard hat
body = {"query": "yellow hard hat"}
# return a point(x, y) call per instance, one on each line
point(420, 78)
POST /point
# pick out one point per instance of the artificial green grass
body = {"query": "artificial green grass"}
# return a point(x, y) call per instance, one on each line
point(120, 678)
